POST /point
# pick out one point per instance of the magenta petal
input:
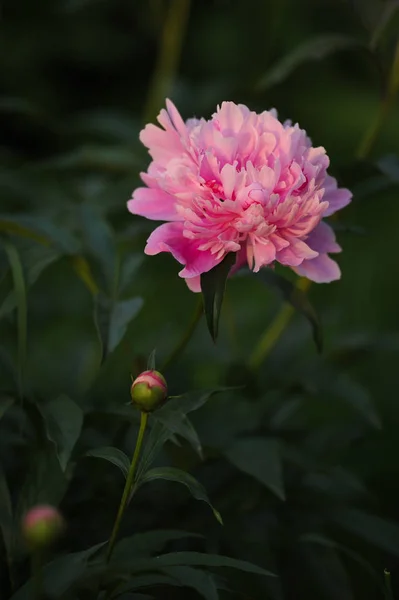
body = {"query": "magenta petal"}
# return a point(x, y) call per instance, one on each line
point(169, 238)
point(322, 239)
point(155, 204)
point(321, 269)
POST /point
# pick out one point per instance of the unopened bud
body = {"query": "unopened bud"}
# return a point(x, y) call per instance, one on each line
point(149, 391)
point(41, 525)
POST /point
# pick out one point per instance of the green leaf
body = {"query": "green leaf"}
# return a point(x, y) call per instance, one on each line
point(36, 261)
point(22, 308)
point(377, 531)
point(200, 581)
point(196, 489)
point(317, 48)
point(260, 458)
point(389, 166)
point(61, 574)
point(64, 420)
point(324, 570)
point(6, 518)
point(196, 559)
point(297, 298)
point(5, 403)
point(151, 363)
point(100, 243)
point(173, 413)
point(127, 271)
point(213, 284)
point(112, 455)
point(40, 229)
point(182, 427)
point(122, 314)
point(145, 544)
point(321, 540)
point(143, 581)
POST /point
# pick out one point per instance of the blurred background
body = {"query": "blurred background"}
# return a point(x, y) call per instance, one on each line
point(78, 80)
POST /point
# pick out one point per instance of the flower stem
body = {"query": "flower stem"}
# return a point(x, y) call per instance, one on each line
point(273, 333)
point(388, 586)
point(37, 574)
point(168, 57)
point(183, 341)
point(371, 134)
point(128, 486)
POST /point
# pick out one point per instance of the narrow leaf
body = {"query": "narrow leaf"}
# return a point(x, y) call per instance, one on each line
point(213, 284)
point(64, 420)
point(317, 48)
point(151, 362)
point(196, 489)
point(112, 455)
point(377, 531)
point(21, 300)
point(197, 559)
point(100, 243)
point(121, 315)
point(297, 298)
point(148, 543)
point(200, 581)
point(261, 459)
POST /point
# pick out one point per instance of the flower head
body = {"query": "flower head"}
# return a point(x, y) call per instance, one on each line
point(149, 390)
point(41, 525)
point(240, 182)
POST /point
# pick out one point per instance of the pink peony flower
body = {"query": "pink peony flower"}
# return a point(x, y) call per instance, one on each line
point(240, 182)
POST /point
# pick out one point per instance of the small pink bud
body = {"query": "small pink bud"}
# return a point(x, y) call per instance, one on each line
point(41, 525)
point(149, 391)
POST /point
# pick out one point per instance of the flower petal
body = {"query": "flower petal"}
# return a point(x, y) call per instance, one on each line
point(155, 204)
point(322, 239)
point(321, 269)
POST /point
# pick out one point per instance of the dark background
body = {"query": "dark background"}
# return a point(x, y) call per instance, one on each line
point(78, 80)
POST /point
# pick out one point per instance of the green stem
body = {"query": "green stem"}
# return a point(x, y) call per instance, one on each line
point(128, 486)
point(168, 57)
point(273, 333)
point(183, 341)
point(371, 134)
point(37, 575)
point(270, 337)
point(388, 585)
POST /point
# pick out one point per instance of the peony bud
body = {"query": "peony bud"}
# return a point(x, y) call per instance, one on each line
point(149, 391)
point(41, 525)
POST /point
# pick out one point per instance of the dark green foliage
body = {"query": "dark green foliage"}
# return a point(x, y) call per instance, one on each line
point(301, 455)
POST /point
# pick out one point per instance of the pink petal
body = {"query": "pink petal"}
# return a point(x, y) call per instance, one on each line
point(295, 253)
point(322, 239)
point(336, 197)
point(321, 269)
point(169, 238)
point(194, 283)
point(155, 204)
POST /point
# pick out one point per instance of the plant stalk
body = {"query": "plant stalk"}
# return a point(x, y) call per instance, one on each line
point(168, 56)
point(128, 485)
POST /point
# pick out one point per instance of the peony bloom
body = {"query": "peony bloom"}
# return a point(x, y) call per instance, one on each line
point(240, 182)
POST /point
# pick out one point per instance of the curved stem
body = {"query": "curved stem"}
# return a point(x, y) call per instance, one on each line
point(168, 57)
point(183, 341)
point(272, 334)
point(128, 486)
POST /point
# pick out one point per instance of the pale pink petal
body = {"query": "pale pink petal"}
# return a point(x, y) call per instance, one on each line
point(337, 198)
point(294, 254)
point(194, 283)
point(321, 269)
point(154, 204)
point(322, 239)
